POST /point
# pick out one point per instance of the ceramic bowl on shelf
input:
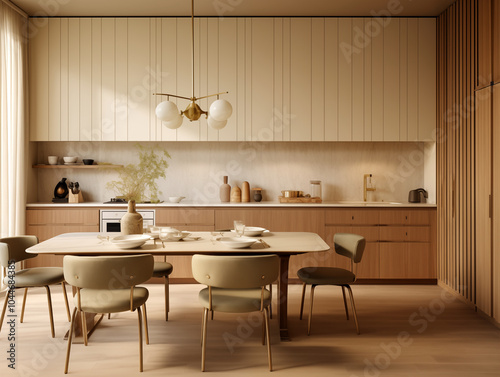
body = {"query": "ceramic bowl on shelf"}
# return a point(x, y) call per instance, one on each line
point(88, 161)
point(175, 199)
point(70, 160)
point(52, 160)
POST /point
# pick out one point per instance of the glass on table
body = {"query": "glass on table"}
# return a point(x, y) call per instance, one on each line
point(239, 227)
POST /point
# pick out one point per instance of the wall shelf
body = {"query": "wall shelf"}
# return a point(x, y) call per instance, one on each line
point(78, 166)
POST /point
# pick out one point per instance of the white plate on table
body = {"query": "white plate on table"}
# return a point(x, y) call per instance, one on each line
point(130, 241)
point(238, 242)
point(176, 236)
point(252, 231)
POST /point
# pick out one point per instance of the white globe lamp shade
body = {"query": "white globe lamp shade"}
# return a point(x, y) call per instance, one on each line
point(220, 110)
point(175, 123)
point(167, 111)
point(216, 124)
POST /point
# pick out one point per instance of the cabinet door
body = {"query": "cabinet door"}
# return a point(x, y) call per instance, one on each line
point(421, 263)
point(404, 217)
point(393, 260)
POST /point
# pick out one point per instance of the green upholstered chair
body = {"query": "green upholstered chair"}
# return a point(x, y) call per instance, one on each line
point(235, 284)
point(163, 270)
point(107, 284)
point(13, 249)
point(349, 245)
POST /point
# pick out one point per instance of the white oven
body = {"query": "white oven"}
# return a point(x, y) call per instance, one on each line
point(110, 219)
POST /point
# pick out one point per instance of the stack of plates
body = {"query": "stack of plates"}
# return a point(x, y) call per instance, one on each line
point(130, 241)
point(238, 242)
point(252, 231)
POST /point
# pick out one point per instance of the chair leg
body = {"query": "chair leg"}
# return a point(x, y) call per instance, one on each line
point(145, 316)
point(51, 314)
point(84, 329)
point(345, 303)
point(204, 339)
point(4, 307)
point(263, 328)
point(63, 284)
point(167, 298)
point(271, 301)
point(24, 304)
point(302, 300)
point(268, 338)
point(353, 308)
point(140, 338)
point(70, 338)
point(310, 310)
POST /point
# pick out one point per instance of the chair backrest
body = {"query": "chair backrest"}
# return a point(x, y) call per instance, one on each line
point(14, 249)
point(350, 245)
point(107, 272)
point(235, 271)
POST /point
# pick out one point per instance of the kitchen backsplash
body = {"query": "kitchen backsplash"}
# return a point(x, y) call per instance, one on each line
point(196, 169)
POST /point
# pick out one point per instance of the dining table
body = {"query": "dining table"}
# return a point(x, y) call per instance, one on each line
point(283, 244)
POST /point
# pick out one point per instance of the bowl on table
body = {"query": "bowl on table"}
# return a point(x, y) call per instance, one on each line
point(88, 161)
point(130, 241)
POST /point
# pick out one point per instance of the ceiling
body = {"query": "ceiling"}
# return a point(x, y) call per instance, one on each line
point(231, 8)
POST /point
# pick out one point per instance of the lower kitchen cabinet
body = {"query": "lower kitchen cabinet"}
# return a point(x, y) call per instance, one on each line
point(401, 243)
point(47, 223)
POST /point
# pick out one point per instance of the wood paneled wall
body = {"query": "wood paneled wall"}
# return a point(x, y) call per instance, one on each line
point(457, 68)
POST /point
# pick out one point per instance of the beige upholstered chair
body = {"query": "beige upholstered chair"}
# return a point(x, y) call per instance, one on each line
point(349, 245)
point(235, 284)
point(107, 284)
point(163, 270)
point(13, 249)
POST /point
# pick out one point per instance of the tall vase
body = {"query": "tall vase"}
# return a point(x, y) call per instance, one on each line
point(225, 191)
point(131, 222)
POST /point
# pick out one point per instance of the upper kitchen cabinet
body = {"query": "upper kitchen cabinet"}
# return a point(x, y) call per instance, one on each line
point(289, 79)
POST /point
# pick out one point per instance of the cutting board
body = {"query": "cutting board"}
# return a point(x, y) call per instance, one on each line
point(300, 199)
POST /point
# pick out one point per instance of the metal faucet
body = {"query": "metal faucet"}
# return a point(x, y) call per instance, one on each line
point(367, 181)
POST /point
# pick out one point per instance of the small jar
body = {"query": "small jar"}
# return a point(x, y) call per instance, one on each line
point(257, 194)
point(315, 189)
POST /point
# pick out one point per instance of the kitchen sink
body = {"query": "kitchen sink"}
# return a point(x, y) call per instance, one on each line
point(367, 203)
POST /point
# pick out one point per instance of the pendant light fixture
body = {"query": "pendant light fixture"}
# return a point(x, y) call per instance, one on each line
point(217, 115)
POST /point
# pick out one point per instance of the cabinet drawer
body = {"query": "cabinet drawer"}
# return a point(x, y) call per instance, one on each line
point(62, 216)
point(352, 216)
point(404, 217)
point(371, 233)
point(404, 234)
point(177, 216)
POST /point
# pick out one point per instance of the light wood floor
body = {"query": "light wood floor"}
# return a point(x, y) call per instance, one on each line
point(405, 331)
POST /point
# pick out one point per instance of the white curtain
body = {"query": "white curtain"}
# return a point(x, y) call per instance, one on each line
point(13, 120)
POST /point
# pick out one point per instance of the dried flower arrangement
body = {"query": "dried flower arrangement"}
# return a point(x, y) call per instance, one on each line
point(136, 180)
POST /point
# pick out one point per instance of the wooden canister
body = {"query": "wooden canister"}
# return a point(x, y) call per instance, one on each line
point(245, 192)
point(235, 194)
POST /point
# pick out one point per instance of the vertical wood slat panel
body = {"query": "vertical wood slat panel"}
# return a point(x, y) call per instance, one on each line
point(367, 82)
point(96, 83)
point(496, 41)
point(85, 79)
point(331, 79)
point(108, 94)
point(413, 53)
point(248, 79)
point(358, 87)
point(168, 69)
point(228, 60)
point(345, 74)
point(496, 202)
point(241, 99)
point(39, 96)
point(121, 79)
point(64, 80)
point(262, 63)
point(288, 112)
point(484, 50)
point(391, 81)
point(74, 79)
point(378, 86)
point(318, 79)
point(403, 79)
point(278, 111)
point(206, 133)
point(54, 51)
point(300, 72)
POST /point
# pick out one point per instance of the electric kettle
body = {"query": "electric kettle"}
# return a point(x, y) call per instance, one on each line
point(417, 196)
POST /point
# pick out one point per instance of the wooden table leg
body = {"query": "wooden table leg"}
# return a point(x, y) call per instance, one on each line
point(283, 297)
